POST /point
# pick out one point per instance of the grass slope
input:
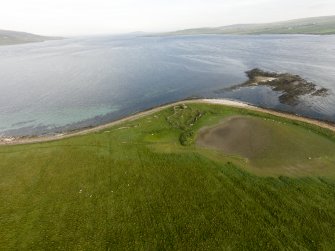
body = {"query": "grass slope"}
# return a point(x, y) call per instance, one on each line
point(15, 37)
point(135, 187)
point(314, 25)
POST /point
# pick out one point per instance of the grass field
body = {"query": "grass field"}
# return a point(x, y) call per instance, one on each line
point(146, 185)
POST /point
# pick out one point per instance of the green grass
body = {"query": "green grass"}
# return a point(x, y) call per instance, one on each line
point(135, 187)
point(315, 25)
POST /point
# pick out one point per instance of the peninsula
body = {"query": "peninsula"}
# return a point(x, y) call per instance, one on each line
point(201, 174)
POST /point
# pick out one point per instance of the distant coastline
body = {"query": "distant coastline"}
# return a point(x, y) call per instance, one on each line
point(8, 37)
point(224, 102)
point(308, 26)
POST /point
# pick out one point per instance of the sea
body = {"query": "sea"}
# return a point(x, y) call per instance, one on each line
point(56, 86)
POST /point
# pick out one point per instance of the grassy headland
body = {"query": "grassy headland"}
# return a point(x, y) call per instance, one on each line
point(144, 184)
point(15, 37)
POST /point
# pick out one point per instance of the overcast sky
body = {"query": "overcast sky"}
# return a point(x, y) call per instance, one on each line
point(80, 17)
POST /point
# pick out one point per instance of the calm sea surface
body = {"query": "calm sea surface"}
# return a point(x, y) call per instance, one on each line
point(63, 85)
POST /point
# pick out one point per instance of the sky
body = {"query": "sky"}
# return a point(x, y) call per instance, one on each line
point(85, 17)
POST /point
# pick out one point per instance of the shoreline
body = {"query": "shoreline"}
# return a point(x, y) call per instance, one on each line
point(225, 102)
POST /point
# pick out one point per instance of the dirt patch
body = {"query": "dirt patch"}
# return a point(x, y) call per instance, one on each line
point(238, 135)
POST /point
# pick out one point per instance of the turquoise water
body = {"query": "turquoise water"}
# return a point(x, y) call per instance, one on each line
point(74, 83)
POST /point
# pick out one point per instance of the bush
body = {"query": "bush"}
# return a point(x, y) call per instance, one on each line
point(186, 138)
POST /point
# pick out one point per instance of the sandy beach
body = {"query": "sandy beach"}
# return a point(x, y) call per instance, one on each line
point(225, 102)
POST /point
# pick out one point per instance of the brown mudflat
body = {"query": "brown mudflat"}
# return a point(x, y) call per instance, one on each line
point(238, 135)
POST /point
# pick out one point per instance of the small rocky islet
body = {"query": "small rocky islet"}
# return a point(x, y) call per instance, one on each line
point(291, 86)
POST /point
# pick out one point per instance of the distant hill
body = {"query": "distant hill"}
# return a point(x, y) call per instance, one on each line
point(15, 37)
point(313, 25)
